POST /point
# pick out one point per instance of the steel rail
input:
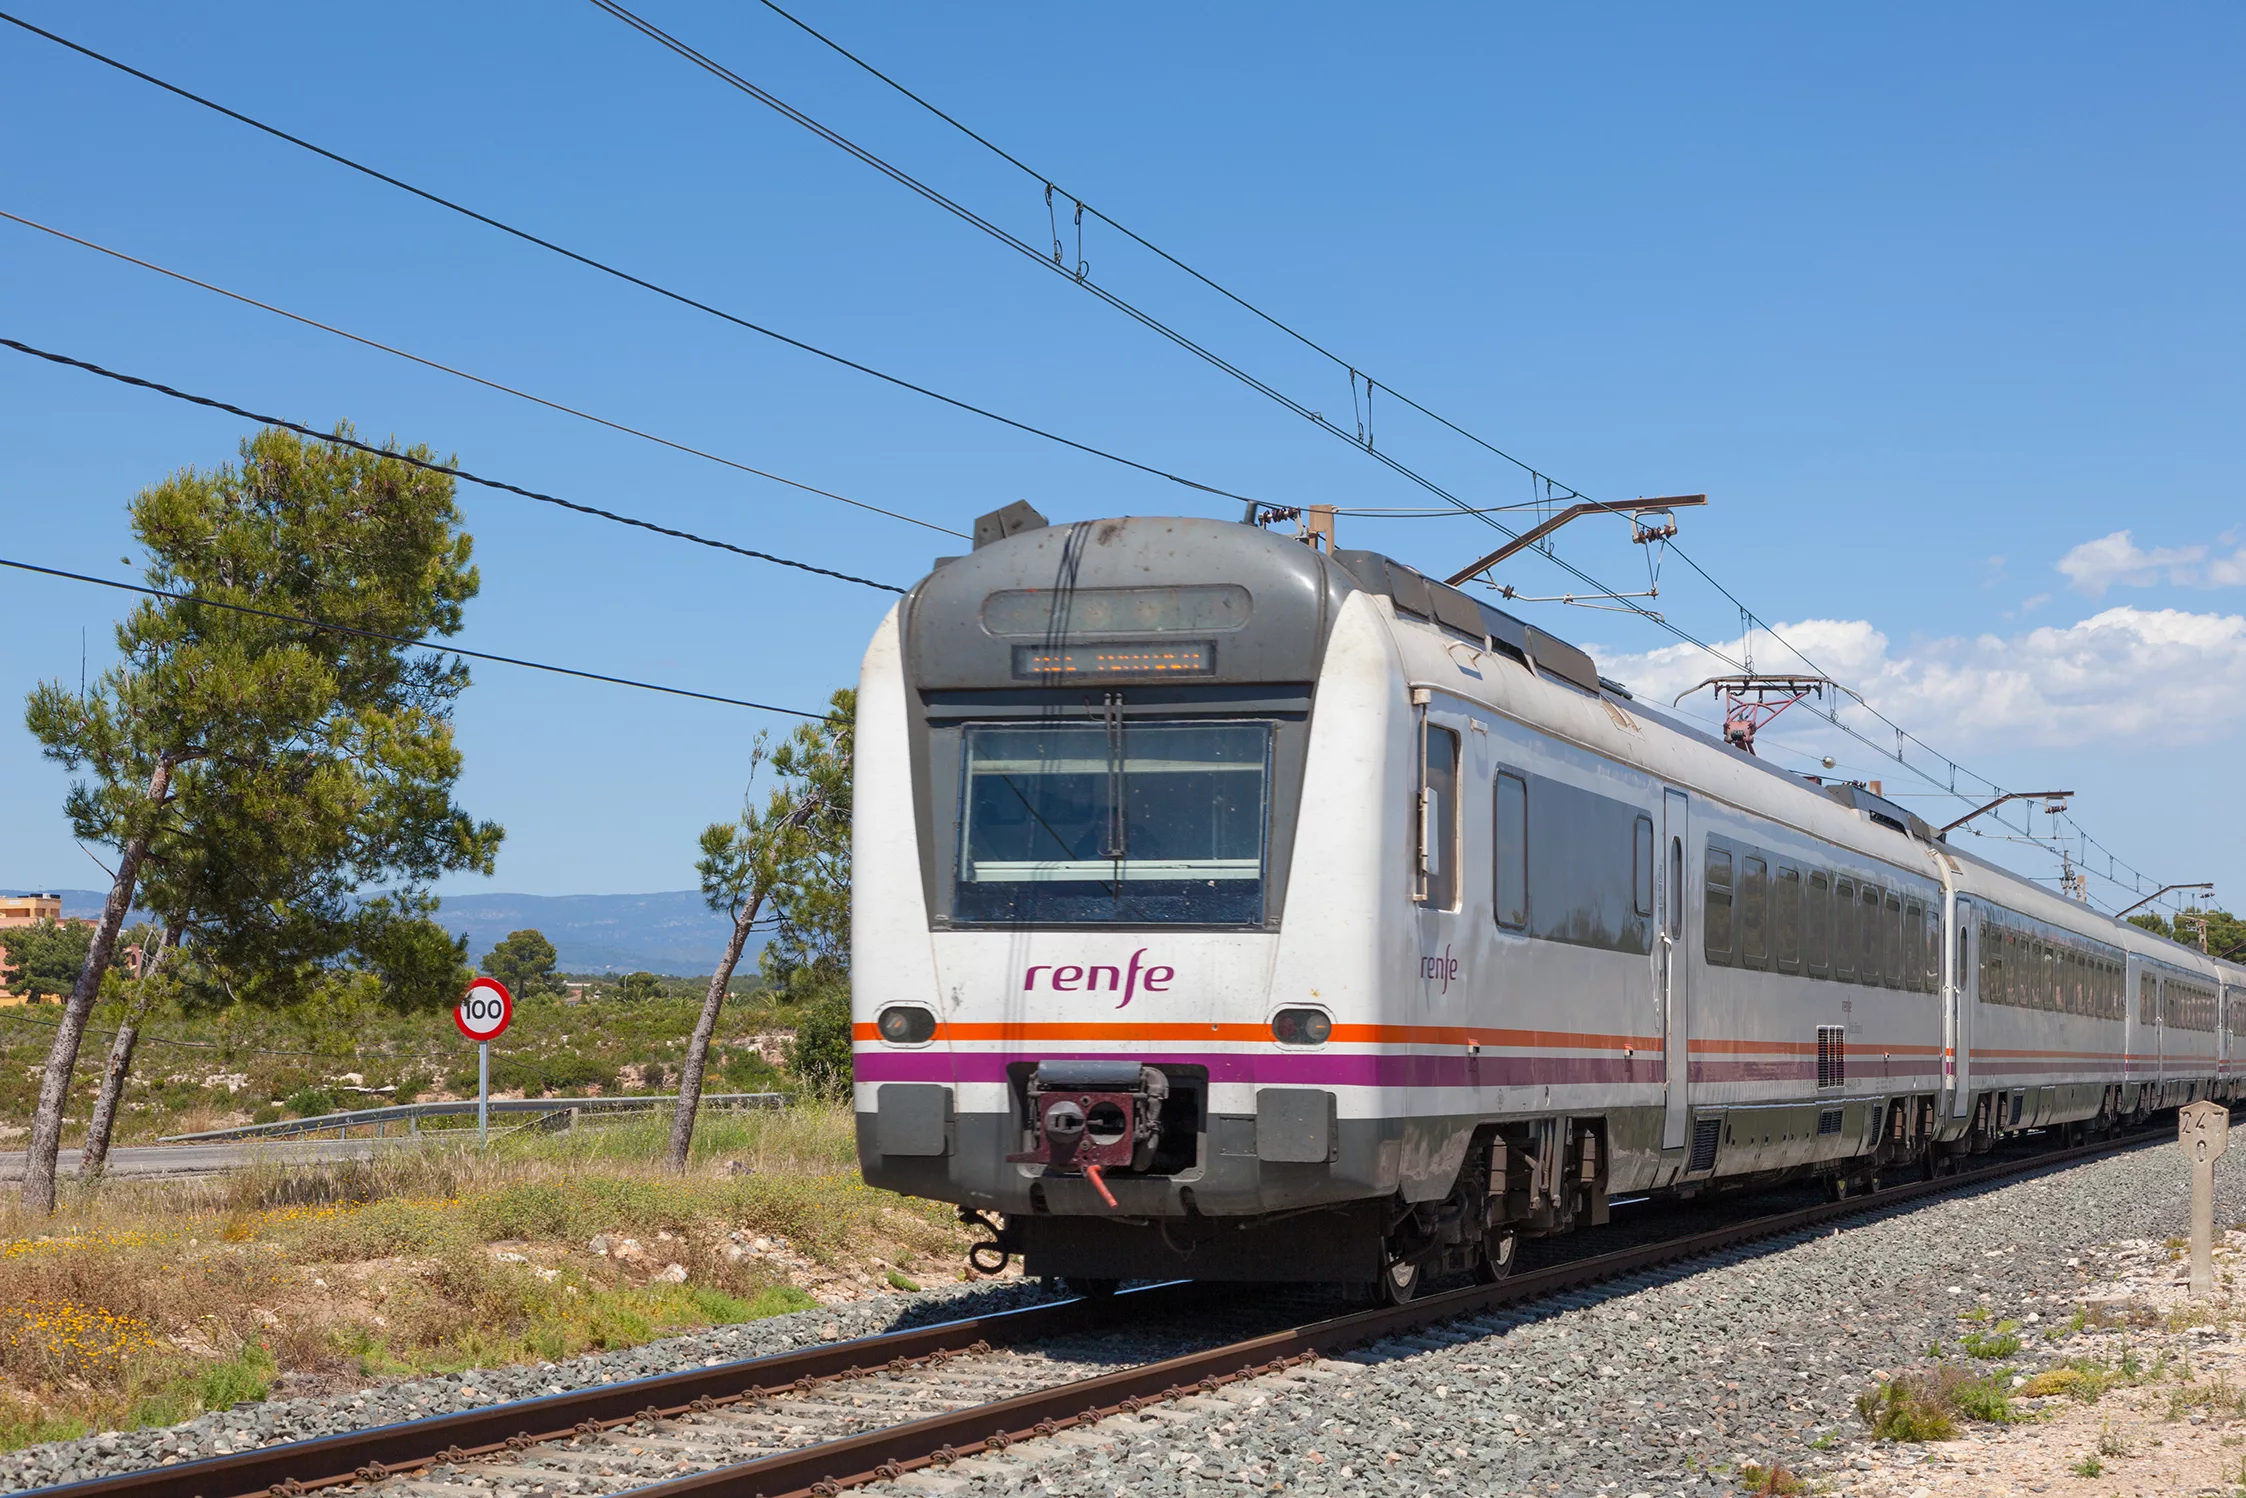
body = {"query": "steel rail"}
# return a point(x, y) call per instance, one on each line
point(828, 1467)
point(380, 1451)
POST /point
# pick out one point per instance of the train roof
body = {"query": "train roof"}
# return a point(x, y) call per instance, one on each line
point(1281, 636)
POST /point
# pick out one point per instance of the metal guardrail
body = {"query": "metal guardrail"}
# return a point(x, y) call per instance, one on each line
point(411, 1114)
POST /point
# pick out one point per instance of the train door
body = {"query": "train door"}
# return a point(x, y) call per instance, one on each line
point(1441, 883)
point(1674, 970)
point(1965, 992)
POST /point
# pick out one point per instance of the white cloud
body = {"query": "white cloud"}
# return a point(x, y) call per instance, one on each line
point(2095, 566)
point(2121, 675)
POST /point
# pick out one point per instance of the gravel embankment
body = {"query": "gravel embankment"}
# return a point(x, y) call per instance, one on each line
point(252, 1425)
point(1659, 1384)
point(1662, 1384)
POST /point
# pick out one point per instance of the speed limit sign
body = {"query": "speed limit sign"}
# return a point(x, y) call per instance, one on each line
point(485, 1011)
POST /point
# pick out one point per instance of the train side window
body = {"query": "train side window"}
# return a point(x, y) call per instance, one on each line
point(1912, 943)
point(1715, 928)
point(1785, 922)
point(1844, 930)
point(1438, 822)
point(1819, 927)
point(1891, 940)
point(1754, 913)
point(1641, 866)
point(1510, 893)
point(1867, 935)
point(2148, 991)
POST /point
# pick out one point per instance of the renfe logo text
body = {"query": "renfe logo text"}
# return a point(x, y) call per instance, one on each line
point(1126, 981)
point(1443, 968)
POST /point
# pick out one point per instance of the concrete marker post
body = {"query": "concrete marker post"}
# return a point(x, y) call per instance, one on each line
point(2203, 1129)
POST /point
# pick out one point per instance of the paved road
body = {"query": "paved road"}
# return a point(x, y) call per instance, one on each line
point(207, 1159)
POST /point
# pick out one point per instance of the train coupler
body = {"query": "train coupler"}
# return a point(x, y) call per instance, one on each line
point(1093, 1117)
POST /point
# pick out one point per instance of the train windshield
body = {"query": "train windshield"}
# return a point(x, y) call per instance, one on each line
point(1120, 821)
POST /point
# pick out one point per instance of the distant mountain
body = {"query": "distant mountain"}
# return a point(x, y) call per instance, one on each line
point(672, 933)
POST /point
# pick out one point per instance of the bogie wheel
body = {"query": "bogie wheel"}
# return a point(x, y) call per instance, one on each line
point(1399, 1282)
point(1501, 1250)
point(1089, 1288)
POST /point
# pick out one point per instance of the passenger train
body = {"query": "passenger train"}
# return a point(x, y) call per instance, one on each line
point(1226, 908)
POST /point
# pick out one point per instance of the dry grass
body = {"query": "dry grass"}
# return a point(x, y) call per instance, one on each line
point(146, 1302)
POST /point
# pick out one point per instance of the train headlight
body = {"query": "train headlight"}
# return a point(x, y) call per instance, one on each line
point(1301, 1027)
point(906, 1024)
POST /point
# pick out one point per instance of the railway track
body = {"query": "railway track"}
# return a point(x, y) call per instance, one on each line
point(817, 1420)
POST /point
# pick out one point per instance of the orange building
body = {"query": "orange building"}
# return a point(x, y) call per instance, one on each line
point(23, 910)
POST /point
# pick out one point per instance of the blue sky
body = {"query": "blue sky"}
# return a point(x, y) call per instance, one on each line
point(1932, 302)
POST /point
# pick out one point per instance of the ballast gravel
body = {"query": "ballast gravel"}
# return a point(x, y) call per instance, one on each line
point(1664, 1383)
point(249, 1426)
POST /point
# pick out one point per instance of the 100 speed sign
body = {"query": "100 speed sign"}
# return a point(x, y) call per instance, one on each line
point(485, 1011)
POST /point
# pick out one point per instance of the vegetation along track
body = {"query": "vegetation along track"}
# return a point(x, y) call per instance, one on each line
point(820, 1419)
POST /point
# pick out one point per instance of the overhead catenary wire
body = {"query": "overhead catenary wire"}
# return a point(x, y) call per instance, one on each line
point(686, 300)
point(476, 379)
point(1904, 735)
point(642, 282)
point(1360, 441)
point(409, 642)
point(714, 311)
point(459, 473)
point(1354, 370)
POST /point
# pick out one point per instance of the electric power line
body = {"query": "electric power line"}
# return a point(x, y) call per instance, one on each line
point(622, 275)
point(1904, 735)
point(1296, 334)
point(1180, 338)
point(1220, 289)
point(933, 195)
point(1362, 443)
point(459, 473)
point(368, 634)
point(489, 384)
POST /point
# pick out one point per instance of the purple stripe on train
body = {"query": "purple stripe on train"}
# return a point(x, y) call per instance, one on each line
point(1295, 1069)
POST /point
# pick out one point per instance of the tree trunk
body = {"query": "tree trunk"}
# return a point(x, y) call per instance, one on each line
point(94, 1158)
point(62, 1057)
point(698, 1048)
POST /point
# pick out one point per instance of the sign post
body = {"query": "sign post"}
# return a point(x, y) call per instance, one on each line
point(2204, 1131)
point(485, 1011)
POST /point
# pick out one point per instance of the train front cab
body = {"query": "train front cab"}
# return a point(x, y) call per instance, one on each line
point(1083, 753)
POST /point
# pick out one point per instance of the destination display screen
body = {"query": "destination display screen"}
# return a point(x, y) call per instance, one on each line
point(1185, 658)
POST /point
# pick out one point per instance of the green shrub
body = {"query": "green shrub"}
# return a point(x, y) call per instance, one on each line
point(820, 1054)
point(310, 1102)
point(745, 1070)
point(245, 1376)
point(1990, 1346)
point(1908, 1407)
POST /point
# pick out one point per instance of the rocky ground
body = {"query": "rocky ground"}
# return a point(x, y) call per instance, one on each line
point(1669, 1383)
point(259, 1424)
point(1679, 1383)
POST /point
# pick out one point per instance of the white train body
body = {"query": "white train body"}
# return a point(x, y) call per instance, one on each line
point(1374, 930)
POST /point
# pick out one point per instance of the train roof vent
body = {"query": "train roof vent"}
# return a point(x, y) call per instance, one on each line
point(1559, 658)
point(1011, 520)
point(1415, 594)
point(1881, 810)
